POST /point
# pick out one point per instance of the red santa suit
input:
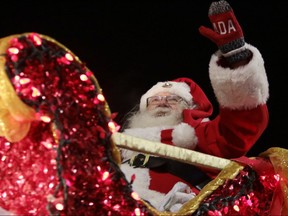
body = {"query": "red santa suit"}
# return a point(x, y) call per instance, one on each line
point(241, 93)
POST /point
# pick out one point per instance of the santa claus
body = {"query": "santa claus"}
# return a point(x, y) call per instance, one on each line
point(178, 113)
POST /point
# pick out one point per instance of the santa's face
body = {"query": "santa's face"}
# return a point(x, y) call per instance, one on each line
point(163, 109)
point(163, 103)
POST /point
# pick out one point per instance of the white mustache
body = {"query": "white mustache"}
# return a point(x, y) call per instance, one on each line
point(161, 111)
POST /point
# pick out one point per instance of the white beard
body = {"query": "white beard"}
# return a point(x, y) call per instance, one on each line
point(160, 116)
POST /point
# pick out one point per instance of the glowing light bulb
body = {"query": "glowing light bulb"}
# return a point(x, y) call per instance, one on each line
point(112, 126)
point(105, 175)
point(277, 177)
point(101, 97)
point(236, 208)
point(83, 77)
point(37, 40)
point(13, 50)
point(116, 207)
point(137, 211)
point(59, 206)
point(135, 196)
point(47, 144)
point(17, 78)
point(35, 92)
point(69, 57)
point(24, 81)
point(46, 119)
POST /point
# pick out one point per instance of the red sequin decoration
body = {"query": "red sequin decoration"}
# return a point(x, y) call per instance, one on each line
point(247, 194)
point(64, 165)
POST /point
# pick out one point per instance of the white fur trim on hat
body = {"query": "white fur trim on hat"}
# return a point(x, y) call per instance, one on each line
point(178, 88)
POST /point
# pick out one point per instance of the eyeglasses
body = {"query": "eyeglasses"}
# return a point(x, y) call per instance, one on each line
point(170, 99)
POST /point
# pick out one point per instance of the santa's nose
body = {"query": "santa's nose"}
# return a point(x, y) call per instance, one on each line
point(163, 103)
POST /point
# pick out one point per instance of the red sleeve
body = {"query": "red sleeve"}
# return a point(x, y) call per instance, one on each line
point(166, 136)
point(233, 132)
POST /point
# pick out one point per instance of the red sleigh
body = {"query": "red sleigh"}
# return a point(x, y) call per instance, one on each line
point(59, 152)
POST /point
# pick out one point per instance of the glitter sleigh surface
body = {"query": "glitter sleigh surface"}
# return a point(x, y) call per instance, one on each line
point(63, 166)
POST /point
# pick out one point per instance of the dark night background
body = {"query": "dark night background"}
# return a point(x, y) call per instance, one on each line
point(132, 45)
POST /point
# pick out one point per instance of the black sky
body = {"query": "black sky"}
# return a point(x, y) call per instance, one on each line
point(131, 45)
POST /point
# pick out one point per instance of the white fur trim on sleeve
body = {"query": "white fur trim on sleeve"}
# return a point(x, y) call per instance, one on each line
point(184, 136)
point(244, 87)
point(141, 184)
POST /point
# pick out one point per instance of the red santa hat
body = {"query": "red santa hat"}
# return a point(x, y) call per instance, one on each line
point(190, 92)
